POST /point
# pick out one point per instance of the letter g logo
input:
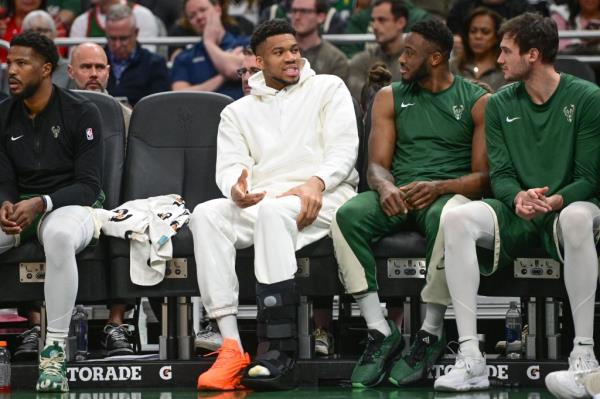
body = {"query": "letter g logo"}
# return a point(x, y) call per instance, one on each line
point(165, 373)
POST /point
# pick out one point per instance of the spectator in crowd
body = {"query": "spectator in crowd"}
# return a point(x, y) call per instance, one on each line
point(549, 200)
point(65, 11)
point(361, 21)
point(281, 195)
point(577, 15)
point(388, 20)
point(211, 64)
point(334, 22)
point(237, 26)
point(47, 189)
point(134, 71)
point(430, 112)
point(249, 68)
point(92, 23)
point(41, 22)
point(481, 48)
point(89, 70)
point(16, 11)
point(307, 16)
point(460, 10)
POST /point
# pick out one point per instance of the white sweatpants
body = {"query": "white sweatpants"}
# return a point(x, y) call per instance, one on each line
point(64, 233)
point(219, 228)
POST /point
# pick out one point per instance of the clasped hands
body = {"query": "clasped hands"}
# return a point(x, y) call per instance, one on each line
point(533, 202)
point(413, 196)
point(14, 218)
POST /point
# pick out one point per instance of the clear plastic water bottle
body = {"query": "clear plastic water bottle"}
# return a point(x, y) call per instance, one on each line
point(512, 331)
point(79, 324)
point(4, 367)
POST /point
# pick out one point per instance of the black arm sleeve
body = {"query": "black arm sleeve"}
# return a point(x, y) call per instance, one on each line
point(87, 177)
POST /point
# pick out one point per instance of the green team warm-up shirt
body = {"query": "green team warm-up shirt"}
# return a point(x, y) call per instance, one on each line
point(434, 131)
point(556, 144)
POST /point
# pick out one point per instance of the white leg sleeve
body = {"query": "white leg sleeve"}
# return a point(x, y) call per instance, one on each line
point(465, 227)
point(576, 226)
point(219, 227)
point(63, 233)
point(7, 241)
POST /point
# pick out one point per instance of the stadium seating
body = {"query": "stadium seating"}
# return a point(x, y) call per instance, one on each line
point(171, 149)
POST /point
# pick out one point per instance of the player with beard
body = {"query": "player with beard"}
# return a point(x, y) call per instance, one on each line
point(426, 154)
point(285, 162)
point(549, 200)
point(50, 174)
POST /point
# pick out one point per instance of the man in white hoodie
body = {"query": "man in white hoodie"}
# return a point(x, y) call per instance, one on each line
point(285, 162)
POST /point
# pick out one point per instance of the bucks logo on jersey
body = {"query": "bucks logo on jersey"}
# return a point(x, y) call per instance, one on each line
point(458, 110)
point(569, 111)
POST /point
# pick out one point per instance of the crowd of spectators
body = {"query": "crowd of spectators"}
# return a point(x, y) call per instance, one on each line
point(224, 27)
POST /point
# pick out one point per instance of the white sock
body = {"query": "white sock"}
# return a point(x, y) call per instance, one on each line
point(583, 345)
point(469, 346)
point(370, 307)
point(56, 336)
point(434, 319)
point(229, 329)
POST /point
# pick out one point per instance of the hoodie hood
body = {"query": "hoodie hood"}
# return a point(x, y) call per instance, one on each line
point(259, 86)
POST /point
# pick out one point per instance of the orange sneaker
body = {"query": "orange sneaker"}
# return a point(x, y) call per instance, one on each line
point(226, 372)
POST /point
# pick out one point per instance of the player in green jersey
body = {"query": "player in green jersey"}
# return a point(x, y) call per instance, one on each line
point(426, 154)
point(543, 143)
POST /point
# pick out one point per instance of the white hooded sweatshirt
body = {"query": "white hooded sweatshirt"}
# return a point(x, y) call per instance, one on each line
point(285, 137)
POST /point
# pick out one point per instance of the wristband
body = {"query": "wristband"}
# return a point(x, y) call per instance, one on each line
point(44, 202)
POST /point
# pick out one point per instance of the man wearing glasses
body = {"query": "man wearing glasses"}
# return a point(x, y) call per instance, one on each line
point(249, 68)
point(306, 17)
point(92, 23)
point(134, 71)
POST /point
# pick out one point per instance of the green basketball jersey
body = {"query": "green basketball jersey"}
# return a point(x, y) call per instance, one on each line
point(434, 131)
point(556, 144)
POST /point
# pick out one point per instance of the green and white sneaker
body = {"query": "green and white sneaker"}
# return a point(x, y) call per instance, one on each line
point(424, 352)
point(374, 363)
point(53, 370)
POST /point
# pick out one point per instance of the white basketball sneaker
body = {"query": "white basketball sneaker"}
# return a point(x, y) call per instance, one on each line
point(469, 374)
point(570, 384)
